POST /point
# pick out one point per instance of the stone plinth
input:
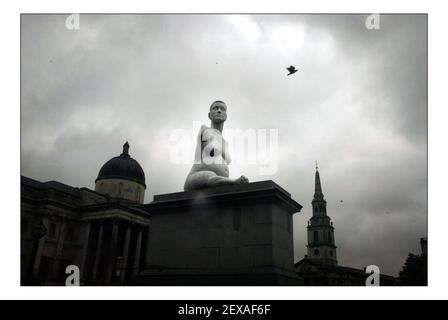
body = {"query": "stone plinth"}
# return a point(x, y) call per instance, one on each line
point(227, 235)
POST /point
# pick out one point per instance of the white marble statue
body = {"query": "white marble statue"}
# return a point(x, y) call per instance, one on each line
point(211, 155)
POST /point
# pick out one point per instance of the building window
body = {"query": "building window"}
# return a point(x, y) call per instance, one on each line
point(331, 253)
point(316, 252)
point(316, 236)
point(329, 237)
point(52, 230)
point(120, 188)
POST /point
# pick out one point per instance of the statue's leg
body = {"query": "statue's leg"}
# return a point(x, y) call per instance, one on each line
point(198, 180)
point(205, 179)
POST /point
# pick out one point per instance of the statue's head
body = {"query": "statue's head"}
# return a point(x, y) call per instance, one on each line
point(218, 112)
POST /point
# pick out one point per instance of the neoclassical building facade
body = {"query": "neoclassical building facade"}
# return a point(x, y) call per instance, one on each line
point(103, 231)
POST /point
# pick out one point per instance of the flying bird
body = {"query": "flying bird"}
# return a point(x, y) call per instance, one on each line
point(291, 70)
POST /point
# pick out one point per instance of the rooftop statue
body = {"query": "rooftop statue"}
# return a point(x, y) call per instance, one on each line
point(211, 155)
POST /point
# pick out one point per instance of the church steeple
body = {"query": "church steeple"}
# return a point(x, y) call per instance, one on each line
point(319, 203)
point(318, 195)
point(321, 245)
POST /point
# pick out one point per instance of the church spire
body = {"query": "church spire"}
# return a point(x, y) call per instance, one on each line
point(321, 244)
point(318, 195)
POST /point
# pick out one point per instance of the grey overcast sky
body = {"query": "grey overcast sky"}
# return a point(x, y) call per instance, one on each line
point(358, 105)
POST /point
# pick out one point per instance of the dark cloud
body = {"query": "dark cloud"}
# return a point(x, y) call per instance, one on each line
point(358, 105)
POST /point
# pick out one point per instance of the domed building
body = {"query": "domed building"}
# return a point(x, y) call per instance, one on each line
point(122, 177)
point(97, 231)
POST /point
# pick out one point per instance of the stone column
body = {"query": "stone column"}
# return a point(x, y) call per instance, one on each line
point(85, 249)
point(112, 251)
point(39, 250)
point(144, 243)
point(59, 248)
point(99, 244)
point(138, 247)
point(126, 251)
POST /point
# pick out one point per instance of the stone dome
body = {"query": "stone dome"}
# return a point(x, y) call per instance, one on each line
point(122, 167)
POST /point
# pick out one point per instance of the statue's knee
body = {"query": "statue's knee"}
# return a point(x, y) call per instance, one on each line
point(198, 180)
point(189, 183)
